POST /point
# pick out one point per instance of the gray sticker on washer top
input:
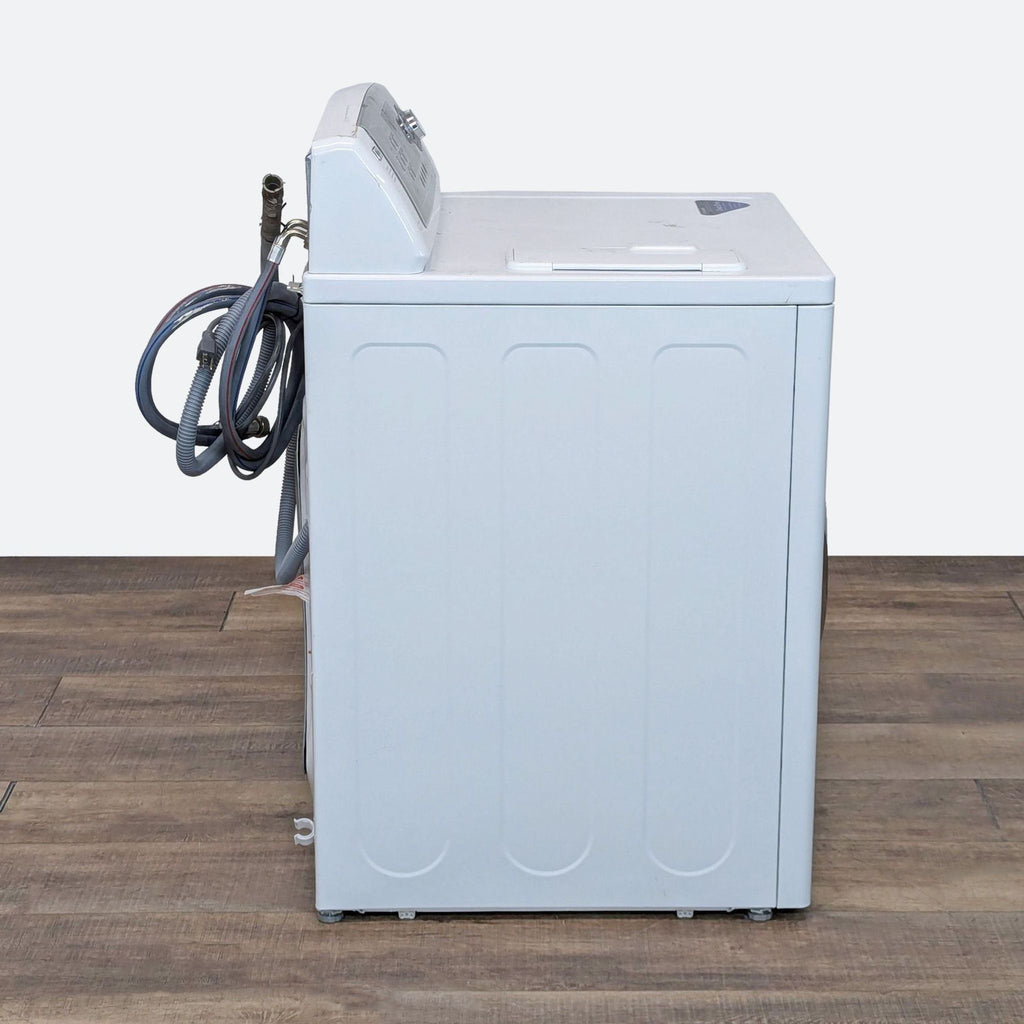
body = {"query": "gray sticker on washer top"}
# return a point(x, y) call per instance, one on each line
point(713, 207)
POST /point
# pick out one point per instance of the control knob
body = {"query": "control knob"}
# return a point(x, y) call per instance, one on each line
point(410, 124)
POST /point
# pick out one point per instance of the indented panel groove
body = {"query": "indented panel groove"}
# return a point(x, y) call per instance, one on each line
point(400, 522)
point(551, 577)
point(697, 593)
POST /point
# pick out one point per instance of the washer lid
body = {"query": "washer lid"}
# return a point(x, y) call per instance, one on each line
point(526, 248)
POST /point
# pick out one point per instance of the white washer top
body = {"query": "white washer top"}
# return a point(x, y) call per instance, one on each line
point(524, 248)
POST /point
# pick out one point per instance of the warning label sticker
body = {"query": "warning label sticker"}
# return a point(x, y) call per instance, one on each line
point(713, 207)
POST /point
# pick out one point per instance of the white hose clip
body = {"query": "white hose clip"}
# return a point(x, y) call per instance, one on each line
point(306, 833)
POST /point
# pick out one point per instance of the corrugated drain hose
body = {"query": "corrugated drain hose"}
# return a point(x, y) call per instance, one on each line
point(269, 313)
point(289, 554)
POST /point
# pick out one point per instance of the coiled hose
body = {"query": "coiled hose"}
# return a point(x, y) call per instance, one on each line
point(271, 313)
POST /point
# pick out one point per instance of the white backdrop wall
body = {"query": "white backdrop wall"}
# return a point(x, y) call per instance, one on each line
point(137, 136)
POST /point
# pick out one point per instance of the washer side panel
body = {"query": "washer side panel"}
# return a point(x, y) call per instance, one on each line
point(803, 604)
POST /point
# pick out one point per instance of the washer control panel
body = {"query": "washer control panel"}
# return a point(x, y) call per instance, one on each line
point(373, 189)
point(397, 135)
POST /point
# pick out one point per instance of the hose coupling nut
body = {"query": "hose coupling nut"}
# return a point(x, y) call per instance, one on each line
point(259, 427)
point(293, 229)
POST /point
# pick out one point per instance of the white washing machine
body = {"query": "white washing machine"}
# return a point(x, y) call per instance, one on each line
point(564, 469)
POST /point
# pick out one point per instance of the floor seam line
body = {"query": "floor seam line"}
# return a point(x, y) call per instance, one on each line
point(46, 706)
point(7, 795)
point(227, 611)
point(987, 803)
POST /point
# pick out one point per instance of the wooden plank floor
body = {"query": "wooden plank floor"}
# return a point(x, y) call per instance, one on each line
point(150, 765)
